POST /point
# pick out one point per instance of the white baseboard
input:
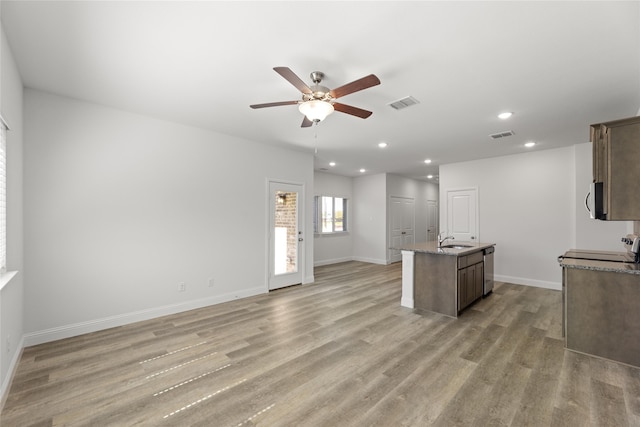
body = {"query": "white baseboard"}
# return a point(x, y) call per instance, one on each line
point(372, 260)
point(67, 331)
point(331, 261)
point(6, 384)
point(345, 259)
point(529, 282)
point(407, 302)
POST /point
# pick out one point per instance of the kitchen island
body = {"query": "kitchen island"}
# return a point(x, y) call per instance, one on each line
point(442, 279)
point(600, 311)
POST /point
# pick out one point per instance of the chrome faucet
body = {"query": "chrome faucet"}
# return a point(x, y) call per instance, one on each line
point(442, 239)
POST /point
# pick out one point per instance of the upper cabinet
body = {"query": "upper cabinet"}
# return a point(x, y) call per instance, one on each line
point(616, 170)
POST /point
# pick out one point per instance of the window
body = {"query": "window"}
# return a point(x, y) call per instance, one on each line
point(330, 215)
point(3, 195)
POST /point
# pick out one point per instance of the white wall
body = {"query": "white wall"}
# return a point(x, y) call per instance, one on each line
point(370, 219)
point(368, 239)
point(334, 248)
point(526, 206)
point(11, 295)
point(120, 208)
point(421, 192)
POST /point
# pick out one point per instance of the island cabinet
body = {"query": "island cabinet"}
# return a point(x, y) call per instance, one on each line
point(447, 281)
point(470, 279)
point(444, 279)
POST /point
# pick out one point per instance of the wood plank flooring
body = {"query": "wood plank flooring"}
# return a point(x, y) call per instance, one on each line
point(338, 352)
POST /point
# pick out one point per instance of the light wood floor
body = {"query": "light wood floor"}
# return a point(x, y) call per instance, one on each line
point(339, 352)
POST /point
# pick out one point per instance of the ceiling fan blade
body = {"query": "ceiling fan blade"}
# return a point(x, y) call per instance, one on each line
point(273, 104)
point(292, 78)
point(354, 111)
point(306, 123)
point(355, 86)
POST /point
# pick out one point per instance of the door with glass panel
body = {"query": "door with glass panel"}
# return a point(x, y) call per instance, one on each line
point(285, 236)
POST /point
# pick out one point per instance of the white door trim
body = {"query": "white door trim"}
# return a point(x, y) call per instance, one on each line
point(392, 256)
point(435, 218)
point(302, 227)
point(445, 227)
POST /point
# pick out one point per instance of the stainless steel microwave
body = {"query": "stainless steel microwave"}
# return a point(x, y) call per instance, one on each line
point(595, 201)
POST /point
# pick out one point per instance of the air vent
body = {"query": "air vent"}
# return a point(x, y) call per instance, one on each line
point(323, 169)
point(404, 103)
point(502, 134)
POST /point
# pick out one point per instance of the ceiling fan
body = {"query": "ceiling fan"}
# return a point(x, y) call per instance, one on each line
point(319, 101)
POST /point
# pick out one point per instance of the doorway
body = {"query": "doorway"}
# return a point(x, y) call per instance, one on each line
point(401, 225)
point(285, 234)
point(462, 214)
point(432, 220)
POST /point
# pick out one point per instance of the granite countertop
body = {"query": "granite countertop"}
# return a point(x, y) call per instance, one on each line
point(432, 248)
point(587, 264)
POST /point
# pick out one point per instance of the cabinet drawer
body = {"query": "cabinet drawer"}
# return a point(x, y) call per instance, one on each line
point(467, 260)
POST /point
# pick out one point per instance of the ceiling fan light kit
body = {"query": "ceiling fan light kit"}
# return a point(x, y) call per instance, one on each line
point(318, 103)
point(316, 110)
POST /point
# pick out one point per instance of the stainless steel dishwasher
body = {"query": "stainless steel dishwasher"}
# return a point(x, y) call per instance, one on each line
point(488, 270)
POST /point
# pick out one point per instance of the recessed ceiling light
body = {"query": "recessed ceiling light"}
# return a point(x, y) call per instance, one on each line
point(332, 163)
point(363, 170)
point(427, 161)
point(505, 115)
point(382, 144)
point(430, 176)
point(529, 144)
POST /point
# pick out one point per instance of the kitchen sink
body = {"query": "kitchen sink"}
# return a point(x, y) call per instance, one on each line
point(456, 246)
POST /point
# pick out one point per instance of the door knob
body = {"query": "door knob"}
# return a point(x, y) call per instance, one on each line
point(300, 239)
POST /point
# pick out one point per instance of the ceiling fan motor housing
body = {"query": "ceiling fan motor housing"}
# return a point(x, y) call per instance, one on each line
point(318, 92)
point(316, 76)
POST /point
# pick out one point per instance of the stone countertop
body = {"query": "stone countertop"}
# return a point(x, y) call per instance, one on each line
point(587, 264)
point(432, 248)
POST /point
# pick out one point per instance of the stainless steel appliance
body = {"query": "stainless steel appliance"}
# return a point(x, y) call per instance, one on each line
point(488, 271)
point(631, 243)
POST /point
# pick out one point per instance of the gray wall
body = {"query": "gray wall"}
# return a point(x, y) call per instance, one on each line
point(370, 219)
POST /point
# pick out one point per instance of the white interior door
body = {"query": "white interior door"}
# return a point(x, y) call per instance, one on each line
point(285, 235)
point(462, 214)
point(401, 225)
point(432, 220)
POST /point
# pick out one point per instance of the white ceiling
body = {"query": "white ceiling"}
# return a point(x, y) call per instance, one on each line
point(559, 66)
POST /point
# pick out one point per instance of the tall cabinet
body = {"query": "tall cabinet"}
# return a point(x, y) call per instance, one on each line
point(616, 156)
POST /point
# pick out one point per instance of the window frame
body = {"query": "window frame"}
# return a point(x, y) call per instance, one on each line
point(319, 210)
point(4, 129)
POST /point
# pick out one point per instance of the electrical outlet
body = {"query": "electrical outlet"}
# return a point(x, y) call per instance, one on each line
point(211, 282)
point(182, 287)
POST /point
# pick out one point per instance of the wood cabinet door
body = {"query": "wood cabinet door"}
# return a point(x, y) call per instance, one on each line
point(478, 280)
point(463, 279)
point(470, 283)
